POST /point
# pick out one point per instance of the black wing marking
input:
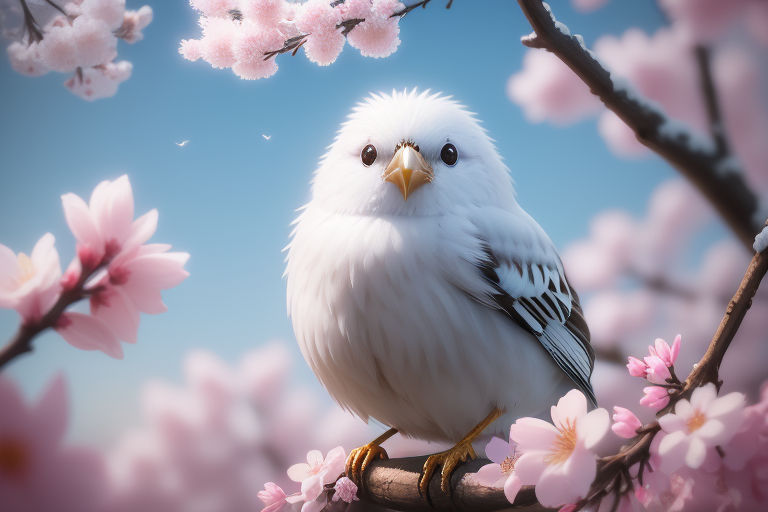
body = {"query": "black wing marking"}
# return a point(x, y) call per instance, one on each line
point(550, 311)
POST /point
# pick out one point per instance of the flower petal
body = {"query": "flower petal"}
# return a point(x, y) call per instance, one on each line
point(672, 422)
point(529, 467)
point(497, 450)
point(158, 271)
point(116, 214)
point(532, 434)
point(52, 410)
point(9, 272)
point(696, 453)
point(553, 488)
point(593, 426)
point(703, 396)
point(512, 487)
point(81, 222)
point(571, 406)
point(88, 333)
point(142, 230)
point(726, 405)
point(119, 313)
point(672, 450)
point(490, 475)
point(299, 472)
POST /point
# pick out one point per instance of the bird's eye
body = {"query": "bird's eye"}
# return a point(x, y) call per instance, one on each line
point(368, 155)
point(449, 154)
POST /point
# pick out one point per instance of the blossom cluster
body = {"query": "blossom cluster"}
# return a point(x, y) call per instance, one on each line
point(81, 38)
point(246, 35)
point(709, 452)
point(115, 269)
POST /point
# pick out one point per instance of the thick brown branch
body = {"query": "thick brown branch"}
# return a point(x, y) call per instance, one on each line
point(394, 484)
point(726, 191)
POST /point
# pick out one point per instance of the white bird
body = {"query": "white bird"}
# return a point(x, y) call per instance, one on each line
point(421, 293)
point(266, 137)
point(182, 143)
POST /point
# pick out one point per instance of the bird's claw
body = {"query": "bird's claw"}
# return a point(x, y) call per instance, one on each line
point(449, 460)
point(359, 459)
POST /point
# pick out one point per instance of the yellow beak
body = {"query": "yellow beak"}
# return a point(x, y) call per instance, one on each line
point(408, 170)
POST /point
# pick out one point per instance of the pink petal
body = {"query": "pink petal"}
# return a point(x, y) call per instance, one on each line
point(120, 314)
point(116, 212)
point(52, 410)
point(334, 464)
point(702, 397)
point(683, 409)
point(672, 450)
point(314, 458)
point(8, 271)
point(714, 431)
point(11, 402)
point(573, 405)
point(88, 333)
point(529, 467)
point(146, 300)
point(581, 467)
point(727, 405)
point(158, 271)
point(81, 222)
point(672, 422)
point(553, 488)
point(142, 230)
point(697, 452)
point(512, 487)
point(497, 450)
point(299, 472)
point(533, 434)
point(311, 487)
point(593, 426)
point(490, 475)
point(675, 349)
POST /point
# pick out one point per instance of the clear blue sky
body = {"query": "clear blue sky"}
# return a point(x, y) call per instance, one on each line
point(228, 196)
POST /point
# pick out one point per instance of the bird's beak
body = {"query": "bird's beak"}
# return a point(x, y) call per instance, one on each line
point(408, 170)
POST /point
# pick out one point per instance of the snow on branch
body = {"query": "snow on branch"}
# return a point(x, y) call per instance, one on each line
point(701, 164)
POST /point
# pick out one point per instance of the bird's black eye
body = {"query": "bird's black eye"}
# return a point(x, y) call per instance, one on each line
point(368, 155)
point(449, 154)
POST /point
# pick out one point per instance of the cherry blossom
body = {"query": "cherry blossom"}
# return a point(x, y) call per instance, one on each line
point(625, 423)
point(30, 284)
point(500, 472)
point(38, 469)
point(273, 497)
point(557, 458)
point(345, 490)
point(704, 422)
point(84, 42)
point(662, 350)
point(88, 333)
point(655, 397)
point(325, 469)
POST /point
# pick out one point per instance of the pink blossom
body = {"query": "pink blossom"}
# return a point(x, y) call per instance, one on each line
point(38, 471)
point(133, 24)
point(668, 355)
point(26, 59)
point(191, 49)
point(101, 81)
point(377, 36)
point(94, 40)
point(214, 7)
point(273, 497)
point(88, 333)
point(696, 426)
point(105, 227)
point(703, 20)
point(547, 89)
point(216, 44)
point(58, 49)
point(250, 45)
point(325, 41)
point(264, 12)
point(30, 284)
point(345, 490)
point(625, 423)
point(557, 458)
point(588, 5)
point(108, 11)
point(503, 456)
point(657, 371)
point(325, 469)
point(636, 367)
point(655, 397)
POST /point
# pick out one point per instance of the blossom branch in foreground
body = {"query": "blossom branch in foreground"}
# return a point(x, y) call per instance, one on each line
point(703, 166)
point(392, 483)
point(115, 269)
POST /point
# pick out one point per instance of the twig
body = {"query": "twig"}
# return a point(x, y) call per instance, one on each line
point(716, 127)
point(21, 343)
point(727, 192)
point(30, 24)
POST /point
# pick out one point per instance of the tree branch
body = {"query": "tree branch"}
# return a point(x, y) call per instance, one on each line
point(716, 127)
point(717, 176)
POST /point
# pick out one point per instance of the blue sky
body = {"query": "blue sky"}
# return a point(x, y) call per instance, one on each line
point(229, 196)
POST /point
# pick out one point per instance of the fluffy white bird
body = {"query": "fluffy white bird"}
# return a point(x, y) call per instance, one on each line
point(182, 143)
point(421, 293)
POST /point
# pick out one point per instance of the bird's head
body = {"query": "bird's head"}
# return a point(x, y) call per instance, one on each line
point(410, 153)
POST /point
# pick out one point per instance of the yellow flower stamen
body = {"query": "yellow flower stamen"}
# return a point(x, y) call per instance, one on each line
point(508, 464)
point(696, 421)
point(13, 458)
point(564, 444)
point(26, 268)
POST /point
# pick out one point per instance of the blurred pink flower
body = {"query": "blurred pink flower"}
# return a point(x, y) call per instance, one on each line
point(625, 423)
point(105, 227)
point(30, 284)
point(704, 422)
point(214, 7)
point(557, 458)
point(345, 490)
point(88, 333)
point(588, 5)
point(273, 497)
point(703, 20)
point(377, 36)
point(327, 469)
point(655, 397)
point(500, 472)
point(37, 470)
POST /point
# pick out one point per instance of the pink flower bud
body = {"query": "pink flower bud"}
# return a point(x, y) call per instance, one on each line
point(346, 490)
point(655, 397)
point(70, 278)
point(657, 371)
point(636, 367)
point(625, 423)
point(663, 351)
point(273, 497)
point(89, 258)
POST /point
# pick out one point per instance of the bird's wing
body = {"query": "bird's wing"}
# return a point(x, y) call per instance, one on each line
point(530, 286)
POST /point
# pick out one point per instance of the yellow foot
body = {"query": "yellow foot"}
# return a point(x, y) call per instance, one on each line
point(359, 459)
point(449, 460)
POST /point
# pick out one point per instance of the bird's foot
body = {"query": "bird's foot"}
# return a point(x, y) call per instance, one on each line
point(449, 460)
point(359, 459)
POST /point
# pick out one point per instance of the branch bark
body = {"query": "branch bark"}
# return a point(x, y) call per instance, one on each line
point(716, 175)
